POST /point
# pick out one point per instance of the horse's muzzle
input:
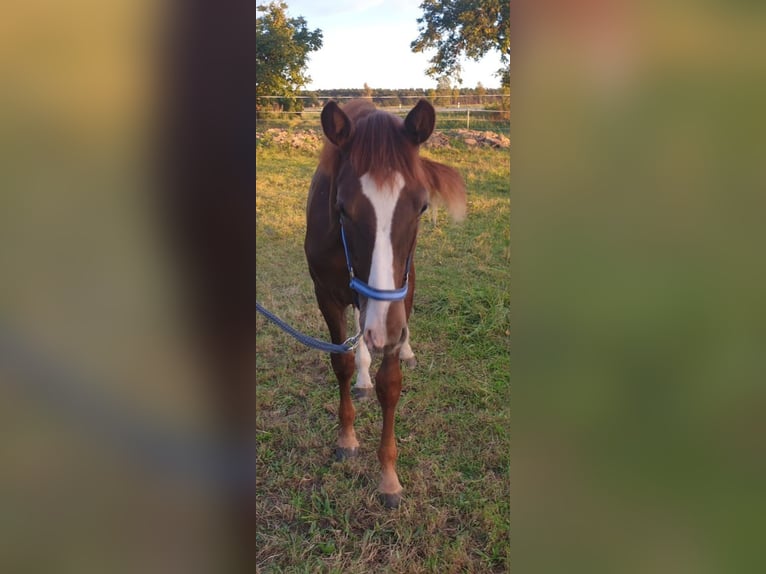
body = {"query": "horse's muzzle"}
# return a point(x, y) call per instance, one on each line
point(375, 346)
point(383, 332)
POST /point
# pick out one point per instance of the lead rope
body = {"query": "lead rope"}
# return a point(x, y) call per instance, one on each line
point(348, 345)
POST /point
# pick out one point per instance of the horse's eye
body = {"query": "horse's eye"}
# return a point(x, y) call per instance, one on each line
point(423, 209)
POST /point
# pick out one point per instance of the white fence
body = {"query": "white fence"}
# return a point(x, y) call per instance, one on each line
point(455, 114)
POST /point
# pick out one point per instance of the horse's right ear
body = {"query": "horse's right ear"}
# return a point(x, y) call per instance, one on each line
point(420, 122)
point(335, 124)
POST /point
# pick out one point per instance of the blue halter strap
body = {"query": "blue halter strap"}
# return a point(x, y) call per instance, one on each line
point(359, 286)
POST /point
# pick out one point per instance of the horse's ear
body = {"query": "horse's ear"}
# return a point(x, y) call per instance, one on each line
point(420, 122)
point(335, 124)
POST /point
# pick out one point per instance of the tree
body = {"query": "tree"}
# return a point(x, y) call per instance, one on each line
point(464, 28)
point(480, 91)
point(444, 89)
point(282, 48)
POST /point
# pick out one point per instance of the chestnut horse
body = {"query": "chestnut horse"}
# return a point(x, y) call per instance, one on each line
point(363, 212)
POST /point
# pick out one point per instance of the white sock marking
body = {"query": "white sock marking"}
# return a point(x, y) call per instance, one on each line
point(406, 351)
point(362, 360)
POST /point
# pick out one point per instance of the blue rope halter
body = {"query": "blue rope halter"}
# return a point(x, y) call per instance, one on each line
point(359, 286)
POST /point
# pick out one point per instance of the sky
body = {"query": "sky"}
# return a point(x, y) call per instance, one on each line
point(368, 41)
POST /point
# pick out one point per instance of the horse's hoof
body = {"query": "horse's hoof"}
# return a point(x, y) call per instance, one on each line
point(410, 363)
point(391, 500)
point(343, 453)
point(362, 393)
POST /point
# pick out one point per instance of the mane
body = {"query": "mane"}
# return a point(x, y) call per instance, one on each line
point(378, 147)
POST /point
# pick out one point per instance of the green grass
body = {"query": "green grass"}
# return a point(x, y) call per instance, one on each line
point(452, 421)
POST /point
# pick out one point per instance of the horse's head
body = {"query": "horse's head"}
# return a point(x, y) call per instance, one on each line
point(381, 188)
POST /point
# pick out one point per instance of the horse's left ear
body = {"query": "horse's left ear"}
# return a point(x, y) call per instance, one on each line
point(336, 125)
point(420, 122)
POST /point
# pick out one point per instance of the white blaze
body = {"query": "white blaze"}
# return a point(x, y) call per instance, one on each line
point(383, 201)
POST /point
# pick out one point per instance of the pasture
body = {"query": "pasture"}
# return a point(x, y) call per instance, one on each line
point(452, 423)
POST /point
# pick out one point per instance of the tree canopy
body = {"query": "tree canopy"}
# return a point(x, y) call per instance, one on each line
point(470, 28)
point(282, 48)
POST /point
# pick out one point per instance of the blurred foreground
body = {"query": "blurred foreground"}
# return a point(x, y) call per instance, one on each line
point(639, 325)
point(126, 255)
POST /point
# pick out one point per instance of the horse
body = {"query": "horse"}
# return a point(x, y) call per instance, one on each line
point(362, 219)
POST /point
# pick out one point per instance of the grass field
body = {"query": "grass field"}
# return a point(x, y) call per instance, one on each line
point(452, 421)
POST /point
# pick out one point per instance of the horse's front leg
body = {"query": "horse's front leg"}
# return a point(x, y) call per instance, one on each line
point(363, 387)
point(405, 353)
point(343, 366)
point(348, 446)
point(388, 386)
